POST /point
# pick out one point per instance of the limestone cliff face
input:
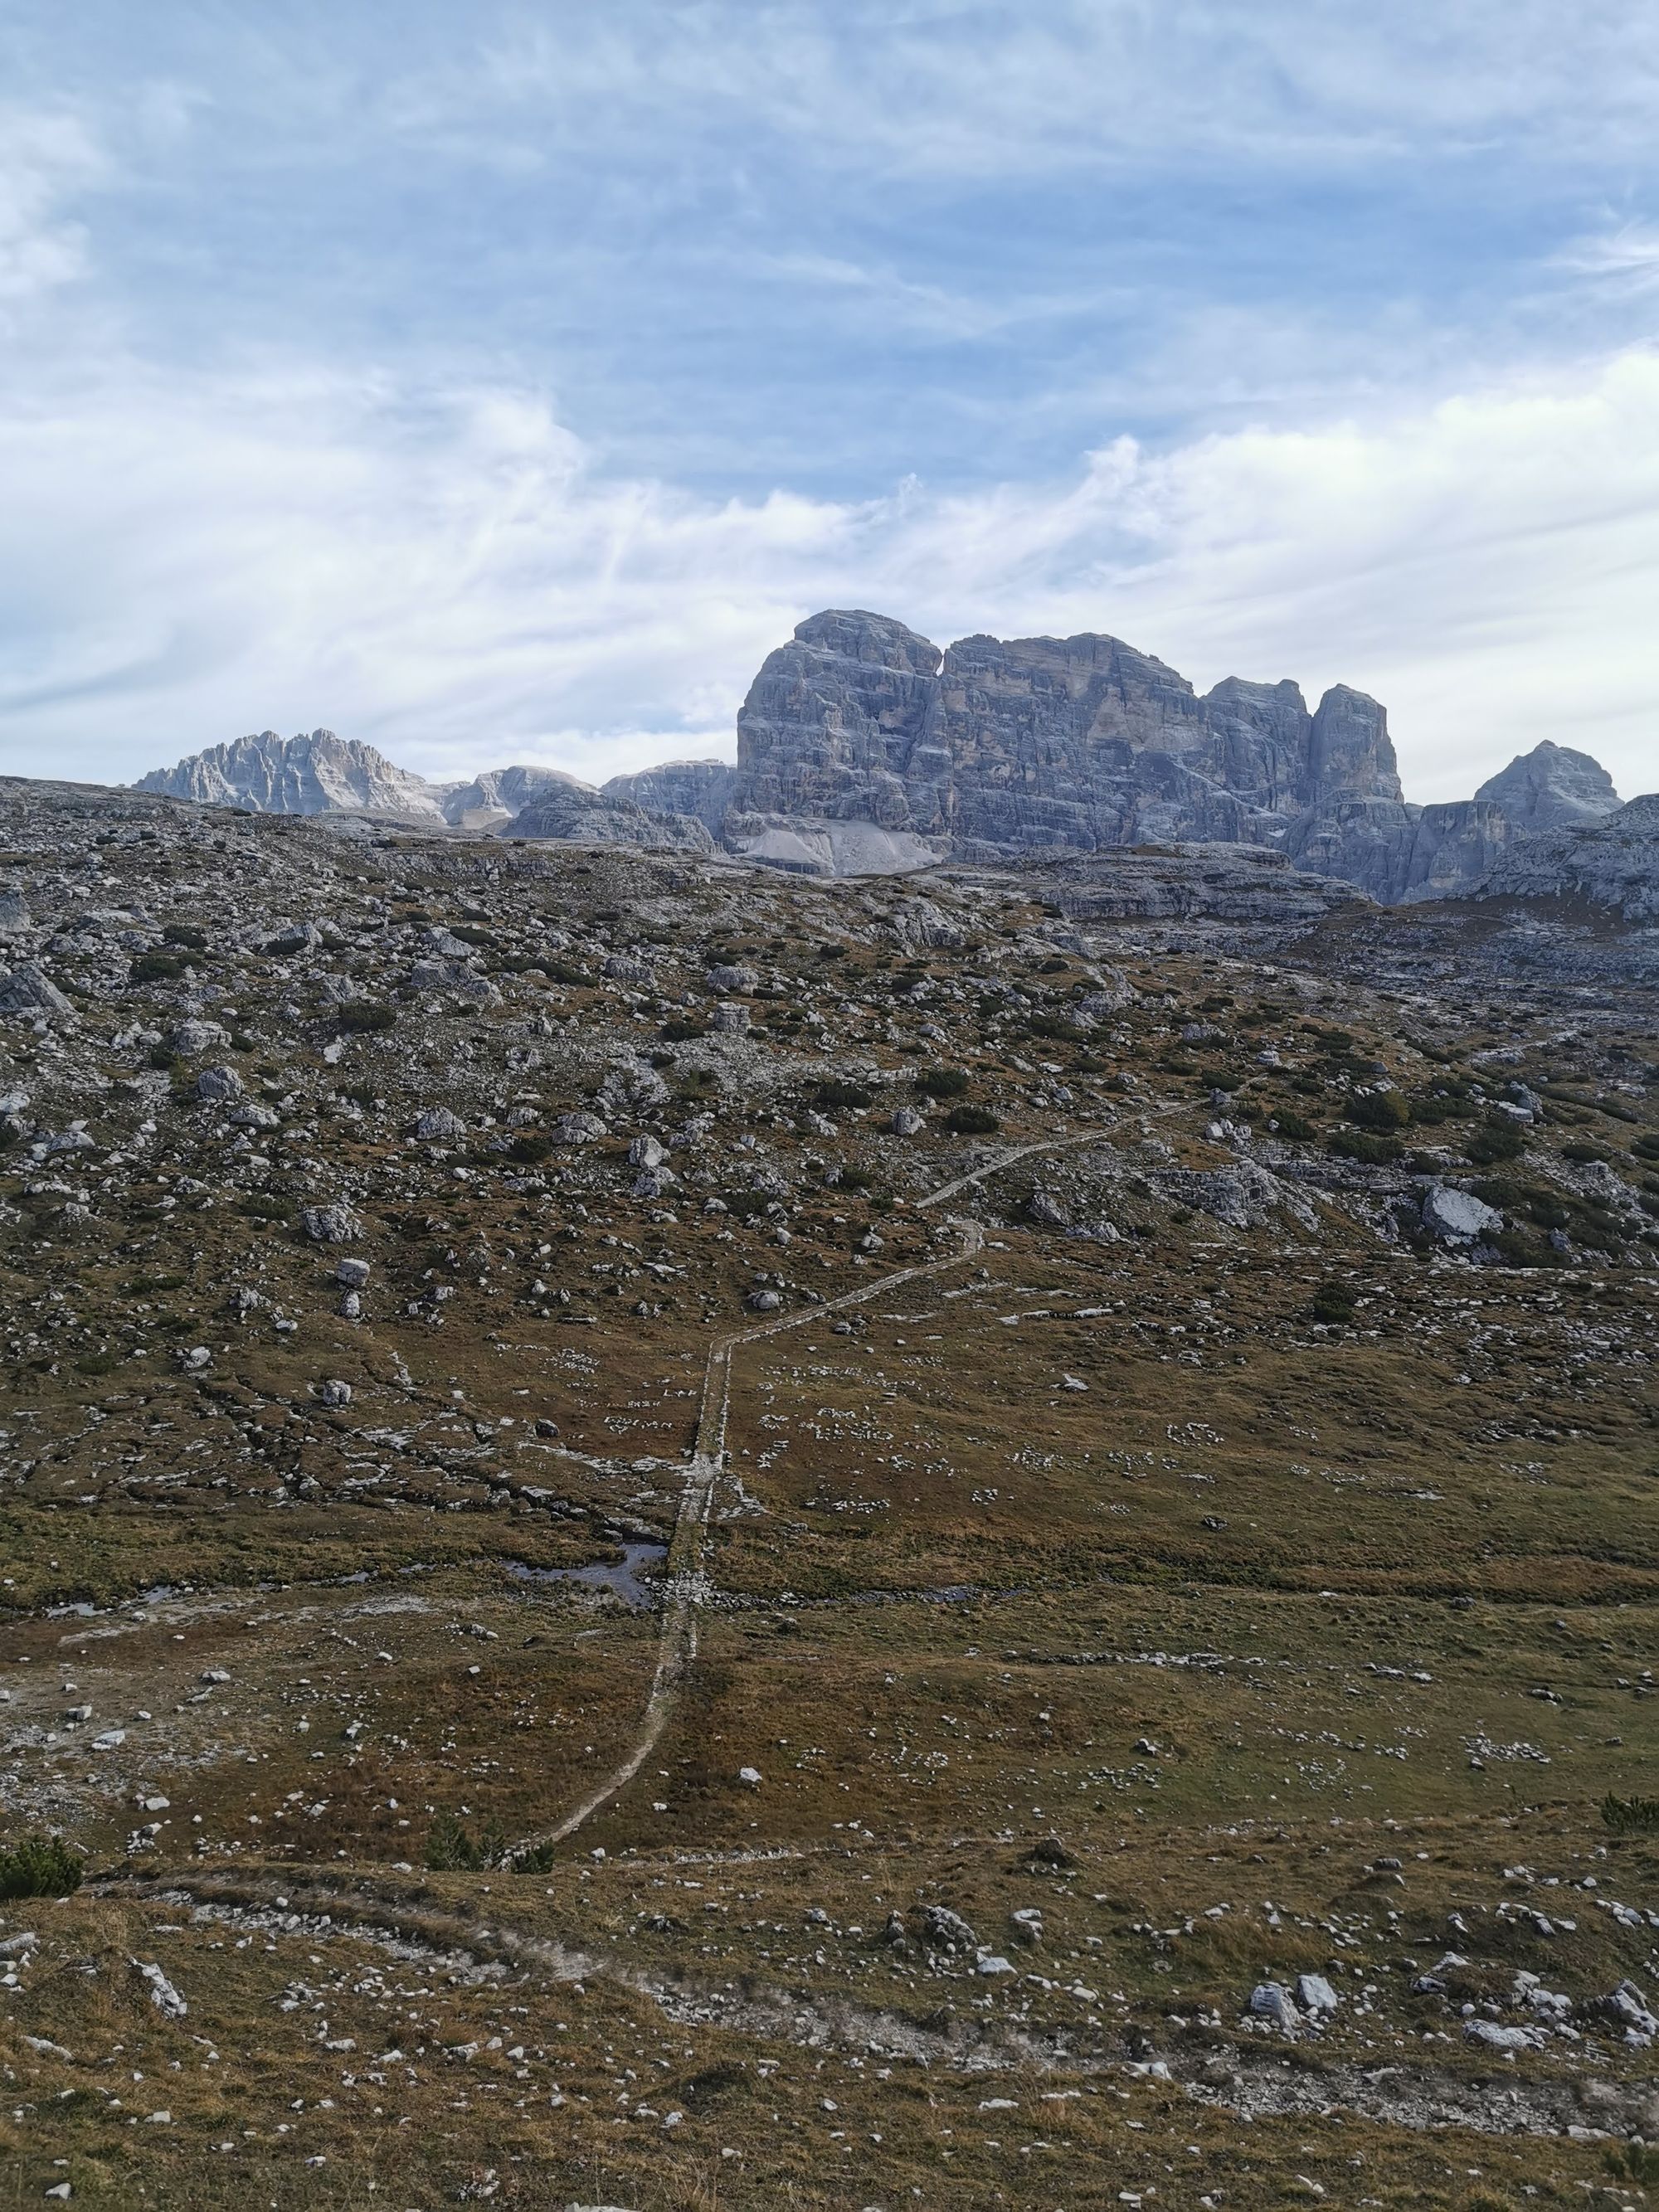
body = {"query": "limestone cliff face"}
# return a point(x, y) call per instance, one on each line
point(863, 748)
point(831, 722)
point(998, 747)
point(1553, 787)
point(1399, 853)
point(1613, 863)
point(317, 774)
point(498, 796)
point(700, 788)
point(572, 812)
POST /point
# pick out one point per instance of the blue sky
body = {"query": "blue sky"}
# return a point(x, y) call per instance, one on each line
point(500, 382)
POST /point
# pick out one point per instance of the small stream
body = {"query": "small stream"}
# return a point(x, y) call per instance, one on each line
point(621, 1577)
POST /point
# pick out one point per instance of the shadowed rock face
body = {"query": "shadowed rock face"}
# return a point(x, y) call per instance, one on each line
point(1397, 852)
point(317, 774)
point(1553, 787)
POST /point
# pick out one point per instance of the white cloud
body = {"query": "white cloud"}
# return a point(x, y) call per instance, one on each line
point(989, 90)
point(450, 576)
point(44, 159)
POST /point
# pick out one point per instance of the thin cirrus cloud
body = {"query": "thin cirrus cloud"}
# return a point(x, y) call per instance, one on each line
point(506, 383)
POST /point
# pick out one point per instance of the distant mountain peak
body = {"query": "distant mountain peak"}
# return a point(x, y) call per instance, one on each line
point(1553, 787)
point(315, 774)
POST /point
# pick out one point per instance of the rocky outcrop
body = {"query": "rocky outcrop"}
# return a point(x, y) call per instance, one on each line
point(1397, 852)
point(700, 788)
point(995, 748)
point(570, 812)
point(499, 796)
point(1614, 865)
point(317, 774)
point(1223, 882)
point(1551, 787)
point(863, 748)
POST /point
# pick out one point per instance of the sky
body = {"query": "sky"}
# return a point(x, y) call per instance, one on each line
point(502, 382)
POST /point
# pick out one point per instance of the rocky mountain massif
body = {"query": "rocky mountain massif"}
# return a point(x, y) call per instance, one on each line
point(862, 749)
point(675, 1535)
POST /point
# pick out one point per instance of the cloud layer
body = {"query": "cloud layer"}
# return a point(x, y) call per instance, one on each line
point(506, 387)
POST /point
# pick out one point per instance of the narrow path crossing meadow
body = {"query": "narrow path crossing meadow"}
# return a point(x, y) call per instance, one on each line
point(685, 1585)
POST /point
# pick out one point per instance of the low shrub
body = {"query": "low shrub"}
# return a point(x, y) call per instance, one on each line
point(1495, 1139)
point(364, 1018)
point(1379, 1109)
point(154, 968)
point(1631, 1816)
point(972, 1121)
point(38, 1866)
point(1361, 1145)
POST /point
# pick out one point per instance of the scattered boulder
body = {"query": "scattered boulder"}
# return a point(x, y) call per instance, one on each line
point(437, 1124)
point(1272, 2001)
point(329, 1225)
point(1458, 1217)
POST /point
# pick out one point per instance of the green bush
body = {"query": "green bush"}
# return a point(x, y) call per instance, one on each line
point(38, 1866)
point(971, 1122)
point(1361, 1145)
point(359, 1018)
point(180, 933)
point(1294, 1125)
point(1498, 1139)
point(942, 1082)
point(1379, 1109)
point(452, 1848)
point(1631, 1816)
point(260, 1208)
point(1633, 2161)
point(155, 968)
point(682, 1032)
point(1332, 1304)
point(529, 1146)
point(835, 1098)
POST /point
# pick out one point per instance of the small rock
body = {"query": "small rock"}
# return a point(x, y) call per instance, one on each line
point(1272, 2001)
point(1315, 1994)
point(329, 1224)
point(162, 1995)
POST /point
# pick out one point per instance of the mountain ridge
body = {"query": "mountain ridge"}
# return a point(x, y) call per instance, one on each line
point(865, 748)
